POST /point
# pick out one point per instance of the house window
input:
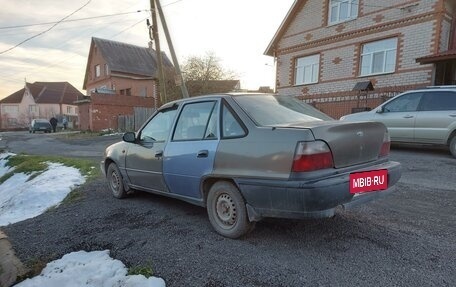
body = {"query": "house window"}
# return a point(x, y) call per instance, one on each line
point(128, 92)
point(97, 71)
point(33, 108)
point(122, 92)
point(342, 10)
point(106, 71)
point(379, 57)
point(10, 109)
point(307, 69)
point(12, 122)
point(69, 110)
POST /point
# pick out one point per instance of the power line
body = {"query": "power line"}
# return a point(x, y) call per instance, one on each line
point(80, 19)
point(128, 28)
point(73, 20)
point(47, 30)
point(172, 3)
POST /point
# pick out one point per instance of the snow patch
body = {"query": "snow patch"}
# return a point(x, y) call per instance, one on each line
point(94, 268)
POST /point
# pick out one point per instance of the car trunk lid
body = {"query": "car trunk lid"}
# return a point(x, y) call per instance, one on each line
point(351, 143)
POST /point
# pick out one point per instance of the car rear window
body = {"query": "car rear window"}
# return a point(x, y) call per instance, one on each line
point(271, 110)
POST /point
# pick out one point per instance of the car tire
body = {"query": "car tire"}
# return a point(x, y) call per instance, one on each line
point(115, 181)
point(227, 211)
point(453, 146)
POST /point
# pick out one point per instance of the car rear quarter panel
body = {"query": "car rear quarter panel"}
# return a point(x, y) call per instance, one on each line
point(263, 153)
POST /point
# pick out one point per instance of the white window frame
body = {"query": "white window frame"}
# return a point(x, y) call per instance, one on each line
point(106, 69)
point(384, 52)
point(10, 109)
point(97, 71)
point(352, 12)
point(311, 64)
point(69, 110)
point(33, 108)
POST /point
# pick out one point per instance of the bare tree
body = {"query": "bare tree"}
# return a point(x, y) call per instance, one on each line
point(201, 73)
point(207, 68)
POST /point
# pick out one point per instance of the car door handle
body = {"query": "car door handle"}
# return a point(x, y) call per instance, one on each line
point(408, 117)
point(159, 154)
point(202, 153)
point(453, 116)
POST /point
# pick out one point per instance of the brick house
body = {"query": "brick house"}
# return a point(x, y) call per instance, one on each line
point(40, 100)
point(325, 48)
point(118, 78)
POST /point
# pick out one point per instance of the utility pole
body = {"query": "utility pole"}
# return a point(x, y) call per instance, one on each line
point(154, 37)
point(171, 49)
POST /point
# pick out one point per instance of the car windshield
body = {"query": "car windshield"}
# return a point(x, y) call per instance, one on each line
point(272, 110)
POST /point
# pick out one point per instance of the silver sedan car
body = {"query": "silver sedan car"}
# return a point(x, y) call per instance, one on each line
point(249, 156)
point(426, 116)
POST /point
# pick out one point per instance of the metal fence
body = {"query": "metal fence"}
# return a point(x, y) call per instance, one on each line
point(131, 123)
point(350, 102)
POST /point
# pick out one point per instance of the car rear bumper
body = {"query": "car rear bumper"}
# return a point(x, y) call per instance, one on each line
point(315, 198)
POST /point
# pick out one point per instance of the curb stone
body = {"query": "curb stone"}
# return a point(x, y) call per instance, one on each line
point(10, 266)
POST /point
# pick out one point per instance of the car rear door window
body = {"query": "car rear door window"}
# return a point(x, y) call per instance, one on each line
point(404, 103)
point(438, 101)
point(197, 121)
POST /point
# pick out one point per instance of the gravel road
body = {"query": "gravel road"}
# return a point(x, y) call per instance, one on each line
point(404, 239)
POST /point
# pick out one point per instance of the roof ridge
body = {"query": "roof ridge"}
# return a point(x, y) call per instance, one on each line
point(65, 85)
point(121, 43)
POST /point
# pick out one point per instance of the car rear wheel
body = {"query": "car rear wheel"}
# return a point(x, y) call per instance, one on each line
point(226, 210)
point(115, 181)
point(453, 146)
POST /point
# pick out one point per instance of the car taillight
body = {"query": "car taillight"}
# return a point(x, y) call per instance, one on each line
point(384, 151)
point(311, 156)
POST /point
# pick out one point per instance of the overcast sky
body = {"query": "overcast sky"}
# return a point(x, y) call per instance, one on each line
point(237, 31)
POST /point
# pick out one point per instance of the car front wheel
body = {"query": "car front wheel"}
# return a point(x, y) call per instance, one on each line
point(226, 210)
point(115, 181)
point(453, 146)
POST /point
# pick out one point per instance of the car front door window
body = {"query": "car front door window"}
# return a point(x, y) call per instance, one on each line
point(399, 116)
point(157, 129)
point(404, 103)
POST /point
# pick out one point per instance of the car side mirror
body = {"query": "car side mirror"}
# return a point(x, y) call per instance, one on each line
point(380, 111)
point(129, 137)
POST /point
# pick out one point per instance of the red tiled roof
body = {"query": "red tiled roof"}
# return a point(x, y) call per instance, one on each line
point(47, 93)
point(14, 98)
point(442, 56)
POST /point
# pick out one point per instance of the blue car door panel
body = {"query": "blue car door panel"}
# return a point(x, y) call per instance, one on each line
point(190, 154)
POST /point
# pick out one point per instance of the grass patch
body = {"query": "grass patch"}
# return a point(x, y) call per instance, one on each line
point(73, 196)
point(147, 271)
point(78, 135)
point(34, 267)
point(35, 164)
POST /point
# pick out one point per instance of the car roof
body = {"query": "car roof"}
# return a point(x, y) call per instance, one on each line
point(435, 89)
point(212, 96)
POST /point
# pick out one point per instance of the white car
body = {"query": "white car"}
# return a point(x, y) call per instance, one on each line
point(426, 116)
